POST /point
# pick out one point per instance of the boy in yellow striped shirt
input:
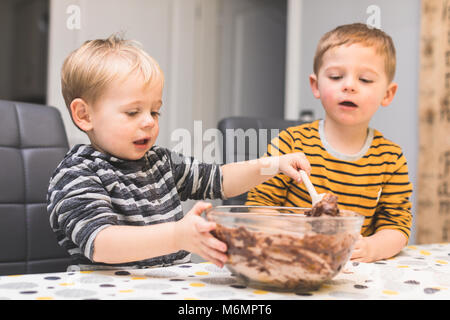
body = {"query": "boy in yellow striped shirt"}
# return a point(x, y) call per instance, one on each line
point(354, 66)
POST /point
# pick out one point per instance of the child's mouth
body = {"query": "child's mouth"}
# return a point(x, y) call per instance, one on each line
point(347, 103)
point(141, 142)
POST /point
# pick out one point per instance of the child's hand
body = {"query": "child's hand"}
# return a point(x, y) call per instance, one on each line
point(364, 251)
point(290, 164)
point(193, 235)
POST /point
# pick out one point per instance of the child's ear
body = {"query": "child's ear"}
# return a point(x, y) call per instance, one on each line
point(390, 93)
point(80, 111)
point(314, 85)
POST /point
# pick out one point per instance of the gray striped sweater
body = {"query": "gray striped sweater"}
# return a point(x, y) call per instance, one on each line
point(90, 191)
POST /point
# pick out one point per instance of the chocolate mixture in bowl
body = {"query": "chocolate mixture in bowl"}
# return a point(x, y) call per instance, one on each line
point(328, 205)
point(288, 253)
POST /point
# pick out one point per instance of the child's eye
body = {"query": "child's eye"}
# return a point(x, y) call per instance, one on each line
point(366, 80)
point(335, 77)
point(156, 114)
point(131, 113)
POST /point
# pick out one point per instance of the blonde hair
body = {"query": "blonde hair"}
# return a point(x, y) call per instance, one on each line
point(88, 71)
point(358, 33)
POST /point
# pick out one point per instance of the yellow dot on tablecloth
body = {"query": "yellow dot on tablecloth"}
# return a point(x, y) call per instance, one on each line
point(191, 298)
point(44, 298)
point(196, 284)
point(126, 291)
point(412, 247)
point(86, 271)
point(64, 284)
point(390, 292)
point(138, 278)
point(425, 253)
point(441, 261)
point(14, 275)
point(201, 273)
point(260, 292)
point(402, 266)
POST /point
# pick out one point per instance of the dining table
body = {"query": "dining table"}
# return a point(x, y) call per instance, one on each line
point(418, 272)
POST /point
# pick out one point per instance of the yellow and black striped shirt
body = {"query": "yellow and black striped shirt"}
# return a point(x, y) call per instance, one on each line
point(373, 183)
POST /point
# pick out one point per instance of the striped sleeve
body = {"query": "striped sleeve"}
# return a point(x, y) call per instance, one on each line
point(394, 206)
point(196, 180)
point(273, 191)
point(79, 208)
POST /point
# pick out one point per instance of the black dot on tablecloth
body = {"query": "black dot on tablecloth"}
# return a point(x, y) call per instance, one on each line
point(412, 282)
point(430, 290)
point(52, 278)
point(304, 294)
point(28, 292)
point(360, 286)
point(238, 286)
point(168, 293)
point(107, 285)
point(122, 273)
point(184, 266)
point(176, 280)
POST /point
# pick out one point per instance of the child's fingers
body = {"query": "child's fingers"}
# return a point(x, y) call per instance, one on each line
point(199, 207)
point(293, 173)
point(205, 226)
point(355, 254)
point(214, 243)
point(214, 256)
point(302, 162)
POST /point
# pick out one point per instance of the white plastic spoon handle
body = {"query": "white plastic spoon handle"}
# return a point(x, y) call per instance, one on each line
point(312, 191)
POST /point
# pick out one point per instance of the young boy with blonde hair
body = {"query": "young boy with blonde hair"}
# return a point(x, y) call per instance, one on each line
point(354, 67)
point(117, 201)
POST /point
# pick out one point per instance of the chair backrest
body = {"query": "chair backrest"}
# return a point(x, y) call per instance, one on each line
point(32, 143)
point(246, 138)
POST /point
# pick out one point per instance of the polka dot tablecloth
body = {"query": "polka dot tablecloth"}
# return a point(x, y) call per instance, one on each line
point(418, 272)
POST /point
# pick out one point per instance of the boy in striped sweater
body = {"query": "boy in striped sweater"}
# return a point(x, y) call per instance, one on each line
point(354, 66)
point(117, 201)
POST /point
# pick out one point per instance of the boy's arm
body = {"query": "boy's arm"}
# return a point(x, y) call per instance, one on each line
point(240, 177)
point(392, 219)
point(383, 244)
point(121, 244)
point(196, 180)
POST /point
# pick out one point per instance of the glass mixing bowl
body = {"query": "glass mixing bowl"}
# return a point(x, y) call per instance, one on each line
point(282, 249)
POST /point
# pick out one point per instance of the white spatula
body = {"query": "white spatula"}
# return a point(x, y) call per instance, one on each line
point(315, 197)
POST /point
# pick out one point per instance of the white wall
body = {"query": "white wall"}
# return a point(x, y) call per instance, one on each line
point(253, 53)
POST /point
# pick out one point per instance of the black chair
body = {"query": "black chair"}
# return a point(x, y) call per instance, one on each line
point(246, 138)
point(32, 143)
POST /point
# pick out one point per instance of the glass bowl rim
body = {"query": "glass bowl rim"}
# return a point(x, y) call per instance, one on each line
point(266, 215)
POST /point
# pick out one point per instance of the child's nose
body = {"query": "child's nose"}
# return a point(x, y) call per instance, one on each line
point(349, 85)
point(148, 121)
